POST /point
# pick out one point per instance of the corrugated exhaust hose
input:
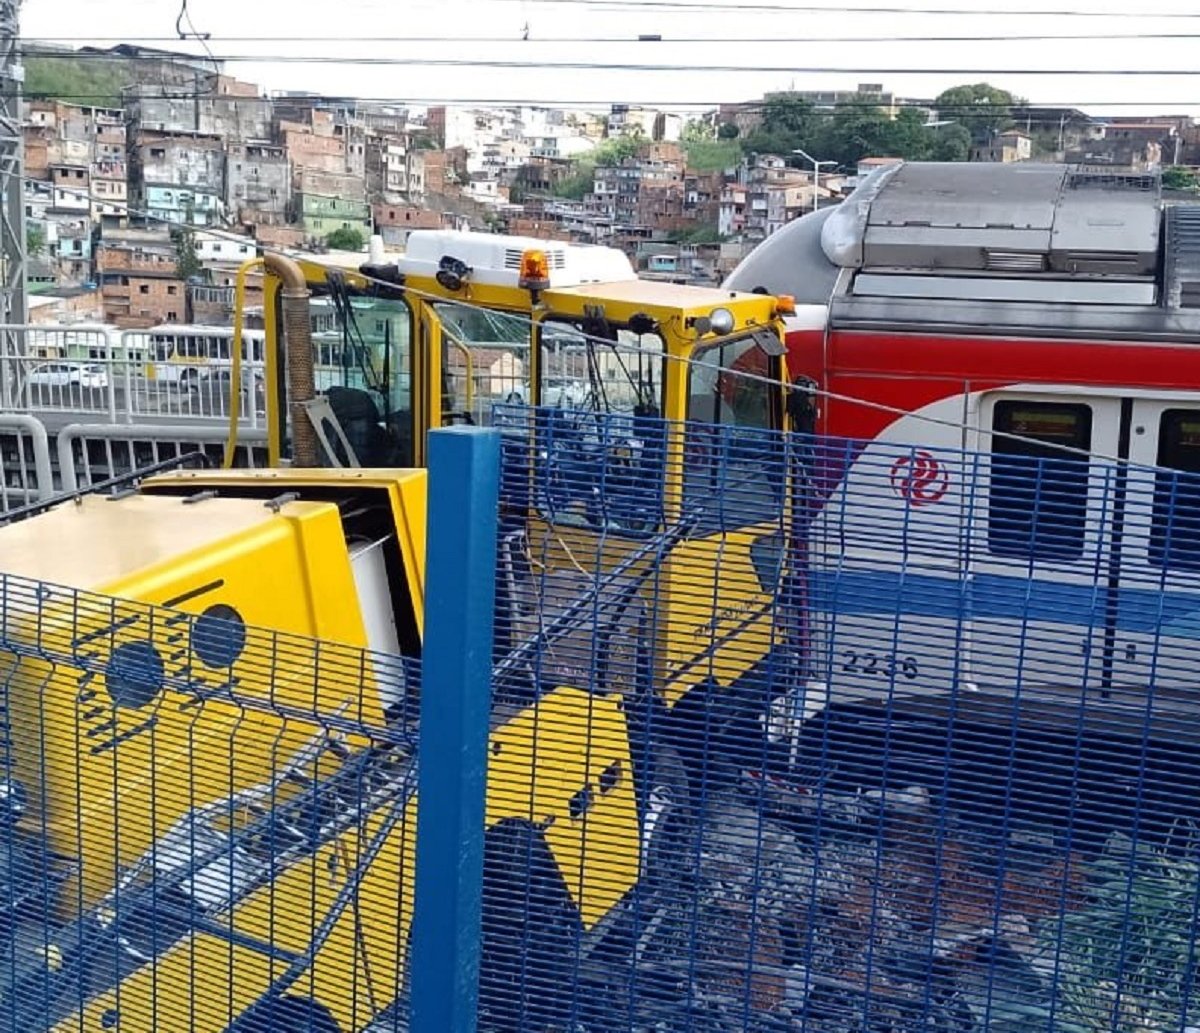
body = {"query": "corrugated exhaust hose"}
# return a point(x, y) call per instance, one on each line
point(298, 346)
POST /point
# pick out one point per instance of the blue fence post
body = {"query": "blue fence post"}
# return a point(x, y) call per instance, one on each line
point(460, 584)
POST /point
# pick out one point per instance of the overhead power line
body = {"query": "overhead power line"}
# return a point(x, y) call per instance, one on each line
point(850, 9)
point(643, 39)
point(596, 103)
point(621, 66)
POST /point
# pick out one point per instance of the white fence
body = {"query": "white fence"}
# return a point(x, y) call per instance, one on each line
point(25, 452)
point(92, 370)
point(83, 403)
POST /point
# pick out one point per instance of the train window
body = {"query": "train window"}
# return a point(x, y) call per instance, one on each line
point(1175, 522)
point(1037, 502)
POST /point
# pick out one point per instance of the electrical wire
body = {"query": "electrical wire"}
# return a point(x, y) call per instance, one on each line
point(748, 107)
point(630, 66)
point(648, 39)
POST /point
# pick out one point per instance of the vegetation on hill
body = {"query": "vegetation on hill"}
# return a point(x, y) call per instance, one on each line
point(79, 81)
point(345, 239)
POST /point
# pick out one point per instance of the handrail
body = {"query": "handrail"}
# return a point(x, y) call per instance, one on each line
point(34, 508)
point(470, 363)
point(23, 423)
point(235, 372)
point(181, 433)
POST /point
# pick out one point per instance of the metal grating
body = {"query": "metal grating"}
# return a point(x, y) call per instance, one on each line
point(786, 734)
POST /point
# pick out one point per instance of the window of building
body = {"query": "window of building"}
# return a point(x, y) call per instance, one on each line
point(172, 289)
point(1175, 522)
point(172, 317)
point(1037, 501)
point(144, 288)
point(157, 152)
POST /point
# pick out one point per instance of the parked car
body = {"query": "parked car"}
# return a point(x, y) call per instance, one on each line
point(69, 374)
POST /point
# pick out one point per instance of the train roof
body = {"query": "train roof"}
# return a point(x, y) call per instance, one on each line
point(1023, 247)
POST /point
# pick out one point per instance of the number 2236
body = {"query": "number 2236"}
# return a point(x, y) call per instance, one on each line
point(880, 665)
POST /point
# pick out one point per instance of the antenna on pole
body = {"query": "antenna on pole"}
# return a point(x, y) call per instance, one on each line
point(14, 303)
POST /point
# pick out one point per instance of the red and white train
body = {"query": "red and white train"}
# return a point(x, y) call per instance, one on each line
point(969, 322)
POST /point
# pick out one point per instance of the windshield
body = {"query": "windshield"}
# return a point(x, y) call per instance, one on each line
point(485, 359)
point(734, 382)
point(599, 367)
point(733, 463)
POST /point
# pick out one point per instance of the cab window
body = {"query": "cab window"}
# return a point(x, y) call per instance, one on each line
point(1038, 495)
point(363, 364)
point(601, 367)
point(1175, 523)
point(485, 359)
point(733, 463)
point(599, 427)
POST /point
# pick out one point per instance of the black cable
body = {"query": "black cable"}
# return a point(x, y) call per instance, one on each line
point(756, 68)
point(31, 47)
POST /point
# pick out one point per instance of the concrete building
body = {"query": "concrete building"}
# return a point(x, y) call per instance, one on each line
point(1011, 145)
point(387, 166)
point(109, 191)
point(178, 176)
point(319, 215)
point(217, 105)
point(395, 222)
point(138, 280)
point(257, 176)
point(223, 247)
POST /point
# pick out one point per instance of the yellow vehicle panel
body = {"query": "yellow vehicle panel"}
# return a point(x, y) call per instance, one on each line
point(405, 489)
point(126, 719)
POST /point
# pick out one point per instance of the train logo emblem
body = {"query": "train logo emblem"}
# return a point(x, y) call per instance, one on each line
point(919, 479)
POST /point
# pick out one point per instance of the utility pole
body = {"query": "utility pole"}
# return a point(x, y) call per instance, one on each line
point(13, 300)
point(816, 167)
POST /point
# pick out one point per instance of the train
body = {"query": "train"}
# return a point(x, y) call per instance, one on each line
point(1009, 355)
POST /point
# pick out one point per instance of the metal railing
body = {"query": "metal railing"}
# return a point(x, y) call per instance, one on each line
point(126, 376)
point(89, 453)
point(780, 734)
point(25, 453)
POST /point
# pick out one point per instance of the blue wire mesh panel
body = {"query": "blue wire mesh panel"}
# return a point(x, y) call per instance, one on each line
point(205, 825)
point(800, 734)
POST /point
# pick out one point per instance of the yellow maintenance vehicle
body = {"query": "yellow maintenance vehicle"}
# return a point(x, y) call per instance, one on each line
point(210, 782)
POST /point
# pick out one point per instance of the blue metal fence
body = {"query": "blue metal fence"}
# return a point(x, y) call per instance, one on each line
point(784, 734)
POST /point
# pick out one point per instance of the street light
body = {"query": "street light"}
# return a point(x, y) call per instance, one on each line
point(816, 171)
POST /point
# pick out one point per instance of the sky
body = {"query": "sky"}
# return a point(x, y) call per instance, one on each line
point(715, 51)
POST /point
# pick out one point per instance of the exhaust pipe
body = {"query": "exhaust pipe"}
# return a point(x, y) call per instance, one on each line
point(298, 347)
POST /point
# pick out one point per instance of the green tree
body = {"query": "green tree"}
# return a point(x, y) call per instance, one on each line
point(697, 130)
point(728, 131)
point(1177, 177)
point(951, 143)
point(857, 129)
point(578, 184)
point(345, 239)
point(712, 155)
point(907, 136)
point(79, 79)
point(791, 114)
point(616, 149)
point(981, 107)
point(187, 260)
point(35, 240)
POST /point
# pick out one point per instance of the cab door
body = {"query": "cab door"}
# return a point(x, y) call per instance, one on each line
point(1156, 619)
point(1040, 600)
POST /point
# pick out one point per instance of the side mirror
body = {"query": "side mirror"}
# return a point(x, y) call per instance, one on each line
point(802, 405)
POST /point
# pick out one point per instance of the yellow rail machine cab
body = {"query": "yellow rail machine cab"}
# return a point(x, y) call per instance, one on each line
point(463, 322)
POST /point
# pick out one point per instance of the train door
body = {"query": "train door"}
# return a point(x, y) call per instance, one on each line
point(1156, 618)
point(1045, 522)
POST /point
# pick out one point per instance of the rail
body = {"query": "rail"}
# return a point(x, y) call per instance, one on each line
point(88, 452)
point(25, 451)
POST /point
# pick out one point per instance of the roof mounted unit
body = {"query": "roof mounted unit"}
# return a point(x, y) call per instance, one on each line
point(1018, 221)
point(495, 259)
